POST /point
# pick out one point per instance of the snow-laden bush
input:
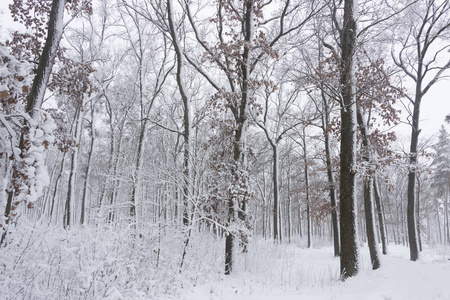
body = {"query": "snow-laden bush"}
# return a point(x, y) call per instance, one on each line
point(47, 262)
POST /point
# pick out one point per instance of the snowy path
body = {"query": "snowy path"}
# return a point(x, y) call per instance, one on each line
point(316, 272)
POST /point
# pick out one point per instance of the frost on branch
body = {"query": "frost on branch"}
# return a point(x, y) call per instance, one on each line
point(15, 80)
point(14, 83)
point(25, 172)
point(31, 173)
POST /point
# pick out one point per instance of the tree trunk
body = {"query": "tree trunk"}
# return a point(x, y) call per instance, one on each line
point(47, 58)
point(73, 167)
point(418, 214)
point(186, 116)
point(348, 210)
point(187, 194)
point(411, 207)
point(241, 126)
point(137, 169)
point(55, 189)
point(275, 193)
point(330, 176)
point(380, 211)
point(88, 168)
point(289, 204)
point(370, 223)
point(446, 220)
point(308, 206)
point(368, 192)
point(70, 192)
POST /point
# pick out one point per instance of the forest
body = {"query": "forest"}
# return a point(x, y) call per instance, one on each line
point(195, 149)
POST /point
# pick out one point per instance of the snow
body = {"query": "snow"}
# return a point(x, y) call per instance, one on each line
point(47, 262)
point(398, 279)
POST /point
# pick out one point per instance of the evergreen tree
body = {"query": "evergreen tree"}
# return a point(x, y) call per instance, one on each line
point(441, 176)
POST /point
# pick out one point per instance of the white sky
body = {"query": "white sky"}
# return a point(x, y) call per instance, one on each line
point(435, 105)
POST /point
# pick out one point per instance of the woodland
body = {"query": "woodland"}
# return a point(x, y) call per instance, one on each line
point(148, 144)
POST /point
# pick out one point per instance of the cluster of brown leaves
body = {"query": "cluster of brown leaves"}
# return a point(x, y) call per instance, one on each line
point(73, 80)
point(319, 204)
point(34, 14)
point(64, 141)
point(375, 92)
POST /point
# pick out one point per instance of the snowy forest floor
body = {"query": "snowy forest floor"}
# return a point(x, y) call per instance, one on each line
point(46, 262)
point(313, 274)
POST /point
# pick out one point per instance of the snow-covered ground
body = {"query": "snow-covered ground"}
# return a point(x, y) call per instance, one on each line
point(47, 262)
point(297, 273)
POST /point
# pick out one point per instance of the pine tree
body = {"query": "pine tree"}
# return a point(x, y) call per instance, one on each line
point(441, 175)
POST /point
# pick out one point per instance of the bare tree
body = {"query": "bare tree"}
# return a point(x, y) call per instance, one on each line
point(275, 127)
point(420, 58)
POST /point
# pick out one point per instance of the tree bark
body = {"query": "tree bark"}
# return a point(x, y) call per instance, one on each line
point(73, 167)
point(137, 169)
point(186, 114)
point(276, 193)
point(411, 206)
point(187, 193)
point(55, 189)
point(308, 206)
point(380, 211)
point(368, 191)
point(348, 210)
point(88, 167)
point(330, 176)
point(289, 203)
point(47, 58)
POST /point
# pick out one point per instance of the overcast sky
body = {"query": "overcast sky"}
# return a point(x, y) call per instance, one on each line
point(435, 106)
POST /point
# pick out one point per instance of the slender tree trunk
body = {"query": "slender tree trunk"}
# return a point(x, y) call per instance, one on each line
point(265, 206)
point(370, 223)
point(280, 224)
point(300, 227)
point(275, 193)
point(348, 209)
point(70, 188)
point(111, 158)
point(380, 211)
point(308, 206)
point(140, 150)
point(186, 116)
point(46, 202)
point(73, 168)
point(88, 169)
point(411, 207)
point(289, 204)
point(229, 248)
point(368, 191)
point(418, 214)
point(330, 176)
point(115, 182)
point(55, 189)
point(446, 220)
point(187, 172)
